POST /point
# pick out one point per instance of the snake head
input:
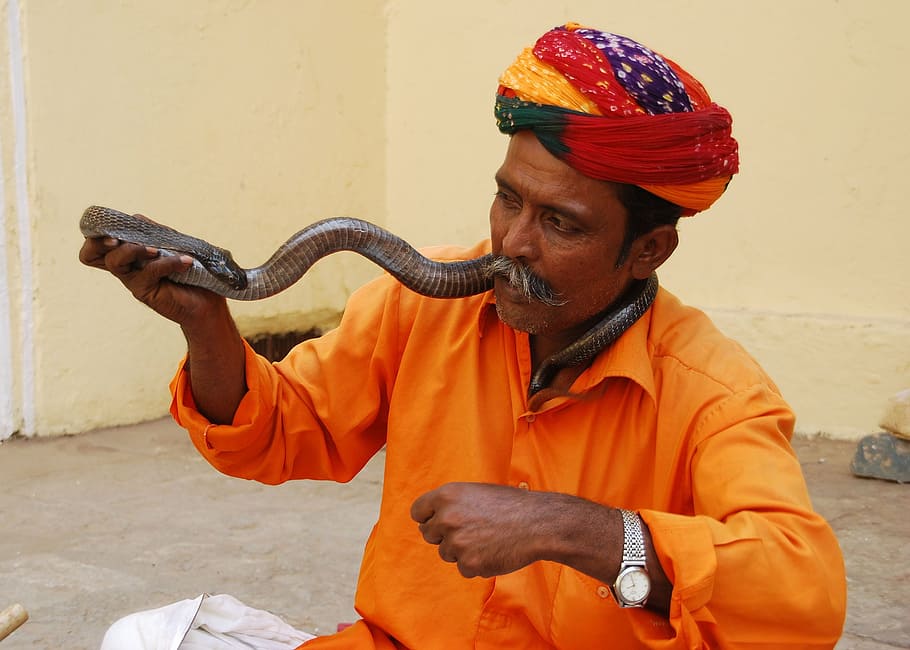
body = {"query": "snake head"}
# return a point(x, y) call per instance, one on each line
point(220, 263)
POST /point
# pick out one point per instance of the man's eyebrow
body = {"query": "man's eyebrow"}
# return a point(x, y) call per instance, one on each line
point(571, 210)
point(501, 182)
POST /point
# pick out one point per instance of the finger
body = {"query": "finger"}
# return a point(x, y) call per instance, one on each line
point(151, 273)
point(128, 260)
point(430, 534)
point(447, 554)
point(94, 250)
point(422, 508)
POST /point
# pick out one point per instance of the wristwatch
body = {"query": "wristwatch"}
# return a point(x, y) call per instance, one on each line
point(633, 584)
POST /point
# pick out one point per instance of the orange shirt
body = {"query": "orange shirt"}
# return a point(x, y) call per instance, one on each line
point(674, 421)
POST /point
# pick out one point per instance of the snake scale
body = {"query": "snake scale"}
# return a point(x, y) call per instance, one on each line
point(215, 269)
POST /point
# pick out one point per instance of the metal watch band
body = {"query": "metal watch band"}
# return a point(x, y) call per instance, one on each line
point(633, 544)
point(632, 585)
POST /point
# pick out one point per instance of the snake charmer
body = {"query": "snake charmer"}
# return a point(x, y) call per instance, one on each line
point(643, 496)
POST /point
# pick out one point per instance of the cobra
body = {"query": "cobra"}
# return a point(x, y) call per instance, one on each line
point(214, 269)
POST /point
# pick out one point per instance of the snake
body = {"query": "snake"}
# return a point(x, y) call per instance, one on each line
point(214, 268)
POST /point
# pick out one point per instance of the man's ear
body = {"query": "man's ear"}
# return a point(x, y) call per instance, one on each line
point(651, 250)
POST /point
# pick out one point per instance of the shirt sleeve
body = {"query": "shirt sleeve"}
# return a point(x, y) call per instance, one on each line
point(754, 565)
point(320, 412)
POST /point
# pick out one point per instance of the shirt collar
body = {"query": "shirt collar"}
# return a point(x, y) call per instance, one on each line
point(628, 356)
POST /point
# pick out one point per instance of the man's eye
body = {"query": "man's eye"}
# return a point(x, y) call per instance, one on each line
point(505, 198)
point(562, 225)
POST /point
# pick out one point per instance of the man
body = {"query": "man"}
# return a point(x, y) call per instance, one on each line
point(644, 495)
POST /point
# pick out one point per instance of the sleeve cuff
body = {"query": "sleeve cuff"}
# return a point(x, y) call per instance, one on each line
point(256, 407)
point(677, 536)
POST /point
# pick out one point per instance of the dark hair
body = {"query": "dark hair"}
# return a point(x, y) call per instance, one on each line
point(646, 211)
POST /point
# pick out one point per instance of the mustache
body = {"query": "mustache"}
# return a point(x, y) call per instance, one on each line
point(518, 275)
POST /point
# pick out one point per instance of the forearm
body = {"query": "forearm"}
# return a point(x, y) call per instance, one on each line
point(589, 538)
point(216, 363)
point(492, 530)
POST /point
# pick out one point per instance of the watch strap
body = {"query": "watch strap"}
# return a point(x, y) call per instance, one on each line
point(633, 543)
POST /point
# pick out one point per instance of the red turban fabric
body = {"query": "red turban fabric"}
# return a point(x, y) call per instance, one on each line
point(615, 110)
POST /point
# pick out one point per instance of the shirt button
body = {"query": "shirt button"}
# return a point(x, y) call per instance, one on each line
point(524, 486)
point(603, 592)
point(530, 418)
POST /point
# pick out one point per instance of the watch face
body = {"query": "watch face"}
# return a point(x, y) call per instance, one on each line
point(634, 585)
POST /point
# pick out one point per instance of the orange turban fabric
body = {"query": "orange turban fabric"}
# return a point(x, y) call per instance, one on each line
point(616, 110)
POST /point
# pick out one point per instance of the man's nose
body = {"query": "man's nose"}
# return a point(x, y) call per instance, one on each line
point(520, 240)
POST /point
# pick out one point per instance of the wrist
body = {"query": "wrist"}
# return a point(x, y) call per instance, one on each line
point(632, 586)
point(216, 364)
point(210, 321)
point(579, 533)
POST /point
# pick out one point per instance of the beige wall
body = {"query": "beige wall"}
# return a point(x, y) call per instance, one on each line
point(804, 260)
point(239, 122)
point(213, 116)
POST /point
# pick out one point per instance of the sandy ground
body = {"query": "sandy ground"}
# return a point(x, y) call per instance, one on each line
point(102, 524)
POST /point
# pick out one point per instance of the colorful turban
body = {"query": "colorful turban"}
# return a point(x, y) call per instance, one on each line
point(615, 110)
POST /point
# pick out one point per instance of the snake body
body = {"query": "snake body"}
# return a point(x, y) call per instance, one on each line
point(215, 269)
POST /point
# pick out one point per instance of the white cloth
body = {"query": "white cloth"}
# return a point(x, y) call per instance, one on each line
point(204, 623)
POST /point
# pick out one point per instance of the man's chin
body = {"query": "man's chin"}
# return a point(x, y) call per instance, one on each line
point(523, 320)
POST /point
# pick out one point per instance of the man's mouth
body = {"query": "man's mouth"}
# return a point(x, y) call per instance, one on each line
point(505, 290)
point(521, 282)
